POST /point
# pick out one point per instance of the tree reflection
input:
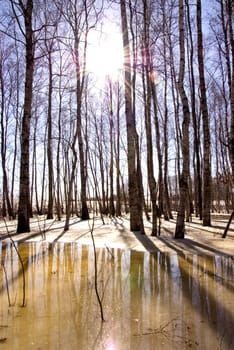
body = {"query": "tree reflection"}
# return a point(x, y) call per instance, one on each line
point(150, 300)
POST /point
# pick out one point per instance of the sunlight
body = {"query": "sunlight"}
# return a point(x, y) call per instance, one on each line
point(105, 56)
point(110, 344)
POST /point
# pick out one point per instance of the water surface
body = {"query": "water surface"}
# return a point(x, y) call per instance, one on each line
point(150, 301)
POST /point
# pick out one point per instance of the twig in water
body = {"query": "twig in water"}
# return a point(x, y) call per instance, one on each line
point(21, 262)
point(95, 272)
point(7, 284)
point(45, 229)
point(110, 252)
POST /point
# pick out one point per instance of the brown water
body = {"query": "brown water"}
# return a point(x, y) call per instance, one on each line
point(150, 301)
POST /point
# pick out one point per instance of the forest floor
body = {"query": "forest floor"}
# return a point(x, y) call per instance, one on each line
point(115, 233)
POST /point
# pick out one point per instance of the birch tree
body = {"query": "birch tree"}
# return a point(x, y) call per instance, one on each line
point(183, 181)
point(25, 10)
point(205, 118)
point(134, 190)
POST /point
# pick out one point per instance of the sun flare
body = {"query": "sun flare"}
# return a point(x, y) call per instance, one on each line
point(105, 58)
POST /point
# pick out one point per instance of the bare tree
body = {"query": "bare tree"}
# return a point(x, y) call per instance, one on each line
point(49, 47)
point(78, 15)
point(183, 181)
point(7, 208)
point(117, 150)
point(230, 16)
point(26, 11)
point(111, 123)
point(206, 130)
point(195, 122)
point(134, 190)
point(147, 76)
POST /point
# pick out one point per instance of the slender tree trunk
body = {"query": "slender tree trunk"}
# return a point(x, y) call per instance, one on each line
point(117, 155)
point(111, 170)
point(70, 186)
point(135, 196)
point(58, 182)
point(165, 193)
point(197, 167)
point(24, 210)
point(79, 92)
point(146, 76)
point(99, 136)
point(178, 136)
point(34, 164)
point(158, 146)
point(43, 177)
point(183, 181)
point(230, 10)
point(49, 142)
point(134, 43)
point(206, 130)
point(3, 148)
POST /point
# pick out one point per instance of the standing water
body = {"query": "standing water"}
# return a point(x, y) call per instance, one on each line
point(150, 301)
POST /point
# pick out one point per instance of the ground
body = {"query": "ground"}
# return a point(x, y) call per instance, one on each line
point(114, 232)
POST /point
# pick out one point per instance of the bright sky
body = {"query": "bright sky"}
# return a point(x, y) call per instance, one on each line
point(105, 52)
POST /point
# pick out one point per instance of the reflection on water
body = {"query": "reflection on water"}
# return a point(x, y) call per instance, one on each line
point(151, 301)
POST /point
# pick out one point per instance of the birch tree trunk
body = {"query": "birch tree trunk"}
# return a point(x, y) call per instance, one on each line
point(49, 141)
point(6, 207)
point(206, 200)
point(183, 181)
point(111, 170)
point(196, 124)
point(117, 154)
point(134, 190)
point(230, 9)
point(79, 91)
point(24, 210)
point(148, 124)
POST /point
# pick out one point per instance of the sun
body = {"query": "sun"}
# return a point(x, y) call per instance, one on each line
point(105, 57)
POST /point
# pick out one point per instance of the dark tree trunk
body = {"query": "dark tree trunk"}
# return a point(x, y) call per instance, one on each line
point(134, 190)
point(206, 201)
point(24, 209)
point(183, 181)
point(49, 144)
point(197, 161)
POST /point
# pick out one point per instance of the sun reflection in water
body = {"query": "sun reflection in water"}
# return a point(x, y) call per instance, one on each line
point(110, 345)
point(152, 301)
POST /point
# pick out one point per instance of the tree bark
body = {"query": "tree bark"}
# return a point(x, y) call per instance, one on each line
point(230, 10)
point(49, 141)
point(111, 170)
point(79, 91)
point(117, 155)
point(206, 200)
point(197, 161)
point(135, 196)
point(146, 77)
point(183, 181)
point(24, 190)
point(3, 146)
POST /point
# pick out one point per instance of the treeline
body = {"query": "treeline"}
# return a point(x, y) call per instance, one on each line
point(157, 139)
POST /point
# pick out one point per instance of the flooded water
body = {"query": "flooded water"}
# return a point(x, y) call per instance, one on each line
point(150, 301)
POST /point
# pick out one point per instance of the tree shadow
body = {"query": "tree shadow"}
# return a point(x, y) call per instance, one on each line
point(186, 243)
point(217, 314)
point(147, 243)
point(213, 310)
point(175, 245)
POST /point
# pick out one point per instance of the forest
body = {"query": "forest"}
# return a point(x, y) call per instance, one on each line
point(144, 126)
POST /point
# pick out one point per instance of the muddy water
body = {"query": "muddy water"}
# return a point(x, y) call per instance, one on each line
point(150, 301)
